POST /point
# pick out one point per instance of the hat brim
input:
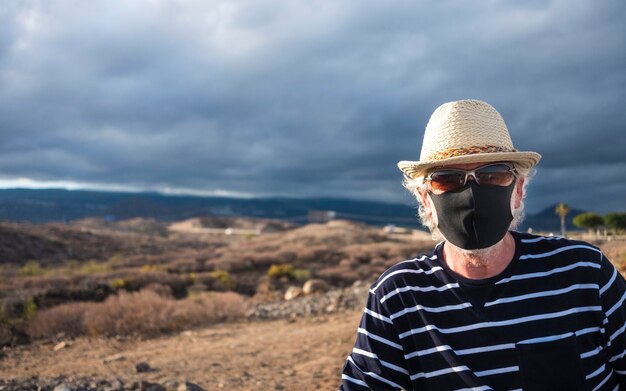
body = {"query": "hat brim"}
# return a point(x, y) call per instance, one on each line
point(523, 161)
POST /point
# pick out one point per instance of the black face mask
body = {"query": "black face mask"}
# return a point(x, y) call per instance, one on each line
point(476, 216)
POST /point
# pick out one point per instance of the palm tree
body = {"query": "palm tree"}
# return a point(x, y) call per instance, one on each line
point(562, 210)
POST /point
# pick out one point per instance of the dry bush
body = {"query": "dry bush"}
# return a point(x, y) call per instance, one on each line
point(65, 318)
point(185, 265)
point(147, 313)
point(615, 251)
point(136, 281)
point(159, 289)
point(143, 312)
point(207, 308)
point(217, 280)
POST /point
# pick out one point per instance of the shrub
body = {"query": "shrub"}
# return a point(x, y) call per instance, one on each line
point(93, 267)
point(19, 307)
point(301, 274)
point(143, 312)
point(65, 318)
point(223, 277)
point(146, 313)
point(278, 271)
point(136, 281)
point(151, 268)
point(115, 260)
point(31, 268)
point(30, 308)
point(289, 271)
point(160, 289)
point(117, 283)
point(219, 306)
point(14, 315)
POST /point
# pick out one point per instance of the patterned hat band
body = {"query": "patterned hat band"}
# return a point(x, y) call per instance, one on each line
point(463, 151)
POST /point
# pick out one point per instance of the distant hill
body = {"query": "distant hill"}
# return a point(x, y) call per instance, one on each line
point(547, 220)
point(50, 205)
point(55, 205)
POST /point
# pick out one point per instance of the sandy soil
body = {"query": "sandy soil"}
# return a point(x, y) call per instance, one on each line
point(301, 354)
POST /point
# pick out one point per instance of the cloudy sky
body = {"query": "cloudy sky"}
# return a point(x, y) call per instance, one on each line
point(304, 98)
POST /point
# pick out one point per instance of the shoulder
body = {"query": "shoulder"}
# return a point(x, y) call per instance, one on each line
point(538, 246)
point(407, 272)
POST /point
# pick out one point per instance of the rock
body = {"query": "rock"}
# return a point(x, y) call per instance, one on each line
point(142, 367)
point(358, 284)
point(189, 386)
point(62, 387)
point(147, 386)
point(293, 292)
point(171, 385)
point(116, 385)
point(313, 286)
point(59, 346)
point(331, 301)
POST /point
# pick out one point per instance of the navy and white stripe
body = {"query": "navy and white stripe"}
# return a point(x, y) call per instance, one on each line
point(422, 329)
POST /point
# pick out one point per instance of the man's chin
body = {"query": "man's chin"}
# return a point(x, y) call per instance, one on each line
point(475, 252)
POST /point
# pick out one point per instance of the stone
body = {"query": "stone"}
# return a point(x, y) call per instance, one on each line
point(314, 285)
point(59, 346)
point(116, 385)
point(62, 387)
point(171, 385)
point(147, 386)
point(189, 386)
point(358, 284)
point(142, 367)
point(292, 292)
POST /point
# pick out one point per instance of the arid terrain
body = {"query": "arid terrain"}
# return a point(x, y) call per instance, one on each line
point(221, 303)
point(248, 304)
point(300, 354)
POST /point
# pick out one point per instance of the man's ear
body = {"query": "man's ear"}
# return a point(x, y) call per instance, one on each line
point(423, 195)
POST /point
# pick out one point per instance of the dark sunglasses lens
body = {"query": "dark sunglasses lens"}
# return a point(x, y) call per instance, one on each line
point(447, 180)
point(495, 175)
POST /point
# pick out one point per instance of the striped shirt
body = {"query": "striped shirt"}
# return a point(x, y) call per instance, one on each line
point(553, 319)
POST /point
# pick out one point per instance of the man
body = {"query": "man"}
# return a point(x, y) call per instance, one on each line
point(488, 308)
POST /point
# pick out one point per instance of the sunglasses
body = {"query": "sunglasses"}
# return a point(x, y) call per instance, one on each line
point(441, 181)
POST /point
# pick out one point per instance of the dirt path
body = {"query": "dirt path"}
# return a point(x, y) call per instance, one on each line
point(304, 354)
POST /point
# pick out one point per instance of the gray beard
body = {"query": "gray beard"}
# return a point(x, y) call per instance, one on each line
point(477, 258)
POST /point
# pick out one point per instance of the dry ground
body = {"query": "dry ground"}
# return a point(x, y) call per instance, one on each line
point(301, 354)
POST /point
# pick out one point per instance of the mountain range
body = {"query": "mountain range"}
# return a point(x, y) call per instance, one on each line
point(58, 205)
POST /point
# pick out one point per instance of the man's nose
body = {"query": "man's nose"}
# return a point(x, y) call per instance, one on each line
point(468, 176)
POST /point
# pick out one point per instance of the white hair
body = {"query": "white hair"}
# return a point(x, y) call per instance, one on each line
point(428, 215)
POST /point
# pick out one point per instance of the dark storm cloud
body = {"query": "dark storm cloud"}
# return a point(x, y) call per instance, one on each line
point(306, 99)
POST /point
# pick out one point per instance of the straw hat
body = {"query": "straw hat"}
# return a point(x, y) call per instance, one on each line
point(467, 131)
